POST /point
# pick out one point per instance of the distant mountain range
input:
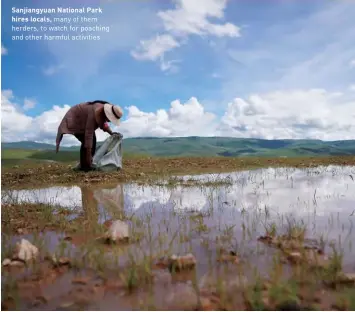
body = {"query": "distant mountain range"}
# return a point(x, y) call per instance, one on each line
point(30, 145)
point(200, 146)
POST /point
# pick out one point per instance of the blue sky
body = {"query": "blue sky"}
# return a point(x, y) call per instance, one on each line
point(229, 64)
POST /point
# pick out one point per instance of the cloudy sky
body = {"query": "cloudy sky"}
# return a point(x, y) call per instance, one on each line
point(241, 68)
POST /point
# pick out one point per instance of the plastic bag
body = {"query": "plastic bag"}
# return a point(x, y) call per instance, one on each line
point(109, 156)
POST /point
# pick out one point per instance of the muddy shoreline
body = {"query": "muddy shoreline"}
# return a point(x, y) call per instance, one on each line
point(148, 170)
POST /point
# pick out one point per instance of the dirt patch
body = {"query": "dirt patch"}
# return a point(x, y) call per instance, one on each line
point(149, 169)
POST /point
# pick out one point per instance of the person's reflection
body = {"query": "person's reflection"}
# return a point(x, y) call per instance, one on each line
point(110, 203)
point(101, 205)
point(89, 204)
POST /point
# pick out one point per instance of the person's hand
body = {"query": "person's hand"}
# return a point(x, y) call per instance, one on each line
point(117, 133)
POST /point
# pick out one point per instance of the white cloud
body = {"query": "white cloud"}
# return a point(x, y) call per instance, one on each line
point(29, 103)
point(352, 63)
point(169, 65)
point(153, 49)
point(294, 114)
point(17, 126)
point(191, 17)
point(48, 121)
point(14, 124)
point(185, 119)
point(3, 50)
point(52, 70)
point(352, 87)
point(187, 18)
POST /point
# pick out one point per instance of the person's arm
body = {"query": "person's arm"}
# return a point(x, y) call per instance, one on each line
point(107, 128)
point(57, 141)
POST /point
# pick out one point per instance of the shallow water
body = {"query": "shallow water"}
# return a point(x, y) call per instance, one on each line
point(237, 211)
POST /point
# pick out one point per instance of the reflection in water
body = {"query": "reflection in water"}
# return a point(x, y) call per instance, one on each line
point(320, 191)
point(109, 203)
point(89, 205)
point(69, 197)
point(322, 197)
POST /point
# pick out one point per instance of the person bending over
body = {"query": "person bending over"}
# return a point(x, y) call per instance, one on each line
point(82, 120)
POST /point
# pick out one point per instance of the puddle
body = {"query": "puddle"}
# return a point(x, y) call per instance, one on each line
point(201, 219)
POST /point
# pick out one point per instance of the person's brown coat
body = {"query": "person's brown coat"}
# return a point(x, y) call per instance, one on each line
point(80, 119)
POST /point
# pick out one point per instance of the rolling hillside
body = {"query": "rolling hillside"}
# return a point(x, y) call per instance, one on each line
point(188, 146)
point(30, 145)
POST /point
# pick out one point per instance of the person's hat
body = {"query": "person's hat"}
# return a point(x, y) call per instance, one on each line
point(113, 113)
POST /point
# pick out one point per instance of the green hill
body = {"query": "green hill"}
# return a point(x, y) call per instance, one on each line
point(30, 145)
point(186, 146)
point(234, 147)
